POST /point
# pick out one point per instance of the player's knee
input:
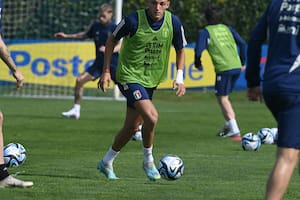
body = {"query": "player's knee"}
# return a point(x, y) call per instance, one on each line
point(153, 118)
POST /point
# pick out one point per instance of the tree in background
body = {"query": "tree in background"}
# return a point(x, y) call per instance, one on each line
point(31, 19)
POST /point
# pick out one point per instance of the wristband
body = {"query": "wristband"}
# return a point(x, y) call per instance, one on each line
point(179, 76)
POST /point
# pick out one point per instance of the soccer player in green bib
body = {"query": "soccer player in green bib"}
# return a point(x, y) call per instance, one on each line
point(143, 61)
point(221, 43)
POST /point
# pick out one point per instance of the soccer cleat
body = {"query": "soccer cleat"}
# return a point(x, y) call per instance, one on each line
point(225, 132)
point(10, 181)
point(71, 114)
point(151, 171)
point(137, 136)
point(107, 171)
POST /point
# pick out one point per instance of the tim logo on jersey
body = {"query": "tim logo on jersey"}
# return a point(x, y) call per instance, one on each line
point(137, 95)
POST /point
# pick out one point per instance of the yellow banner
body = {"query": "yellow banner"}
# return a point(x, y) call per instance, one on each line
point(59, 63)
point(192, 76)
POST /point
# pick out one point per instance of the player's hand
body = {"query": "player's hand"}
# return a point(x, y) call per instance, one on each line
point(60, 35)
point(255, 94)
point(180, 88)
point(105, 78)
point(243, 68)
point(19, 78)
point(199, 67)
point(102, 49)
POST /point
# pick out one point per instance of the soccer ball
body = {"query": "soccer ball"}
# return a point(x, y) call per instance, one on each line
point(275, 134)
point(171, 167)
point(250, 142)
point(14, 155)
point(266, 136)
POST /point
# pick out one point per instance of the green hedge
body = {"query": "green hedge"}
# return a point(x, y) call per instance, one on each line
point(44, 17)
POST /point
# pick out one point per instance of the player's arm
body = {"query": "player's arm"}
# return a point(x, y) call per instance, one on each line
point(201, 45)
point(179, 43)
point(113, 43)
point(5, 56)
point(178, 82)
point(109, 49)
point(241, 43)
point(257, 38)
point(79, 35)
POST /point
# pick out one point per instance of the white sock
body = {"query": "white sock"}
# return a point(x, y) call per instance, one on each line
point(140, 127)
point(233, 126)
point(148, 157)
point(109, 157)
point(77, 107)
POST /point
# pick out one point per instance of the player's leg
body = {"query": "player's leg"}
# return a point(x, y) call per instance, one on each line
point(150, 117)
point(121, 139)
point(1, 140)
point(5, 179)
point(280, 176)
point(138, 105)
point(137, 136)
point(224, 85)
point(74, 112)
point(229, 115)
point(286, 110)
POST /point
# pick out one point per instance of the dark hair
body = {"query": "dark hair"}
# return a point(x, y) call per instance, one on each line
point(213, 14)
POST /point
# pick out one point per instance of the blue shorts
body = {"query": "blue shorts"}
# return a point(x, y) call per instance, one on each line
point(225, 82)
point(96, 68)
point(135, 92)
point(286, 110)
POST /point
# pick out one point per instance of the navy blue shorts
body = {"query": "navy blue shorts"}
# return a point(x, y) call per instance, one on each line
point(286, 110)
point(225, 82)
point(135, 92)
point(96, 68)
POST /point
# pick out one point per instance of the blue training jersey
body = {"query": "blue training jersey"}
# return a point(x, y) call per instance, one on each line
point(281, 22)
point(99, 33)
point(128, 27)
point(203, 40)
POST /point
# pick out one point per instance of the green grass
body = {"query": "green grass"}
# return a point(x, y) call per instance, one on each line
point(62, 153)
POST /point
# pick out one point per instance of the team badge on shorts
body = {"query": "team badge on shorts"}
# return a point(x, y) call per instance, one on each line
point(137, 95)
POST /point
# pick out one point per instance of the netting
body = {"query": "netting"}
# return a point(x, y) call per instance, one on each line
point(50, 66)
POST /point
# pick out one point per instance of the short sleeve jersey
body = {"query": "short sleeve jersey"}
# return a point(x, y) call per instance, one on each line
point(99, 33)
point(280, 23)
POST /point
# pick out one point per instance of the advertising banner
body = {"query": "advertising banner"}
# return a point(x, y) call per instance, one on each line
point(59, 63)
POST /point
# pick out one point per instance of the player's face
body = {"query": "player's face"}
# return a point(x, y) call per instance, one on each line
point(105, 17)
point(157, 8)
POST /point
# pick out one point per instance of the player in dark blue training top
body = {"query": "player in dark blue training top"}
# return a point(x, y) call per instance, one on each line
point(99, 31)
point(280, 84)
point(7, 180)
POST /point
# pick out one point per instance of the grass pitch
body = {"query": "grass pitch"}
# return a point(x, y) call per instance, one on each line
point(62, 153)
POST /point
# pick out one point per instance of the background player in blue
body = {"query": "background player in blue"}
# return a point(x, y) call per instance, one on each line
point(147, 38)
point(99, 31)
point(7, 180)
point(221, 42)
point(280, 84)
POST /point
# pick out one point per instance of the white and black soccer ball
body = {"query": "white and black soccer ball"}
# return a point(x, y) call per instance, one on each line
point(171, 167)
point(275, 134)
point(266, 136)
point(250, 142)
point(14, 154)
